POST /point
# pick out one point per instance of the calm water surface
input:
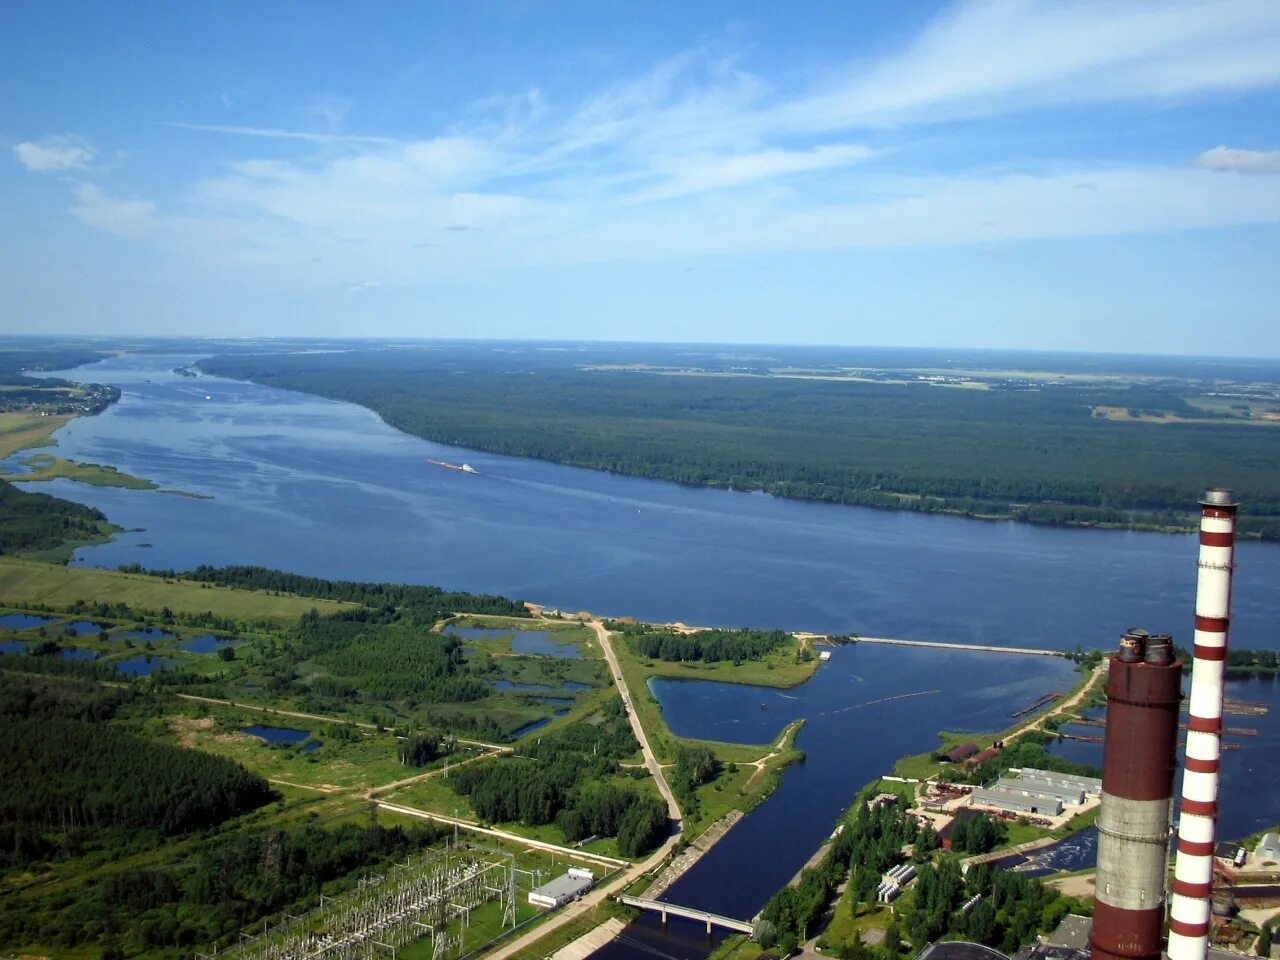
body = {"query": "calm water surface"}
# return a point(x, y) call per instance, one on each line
point(344, 495)
point(24, 621)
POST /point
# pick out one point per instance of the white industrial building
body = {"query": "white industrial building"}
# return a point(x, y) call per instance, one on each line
point(1041, 792)
point(1268, 847)
point(566, 887)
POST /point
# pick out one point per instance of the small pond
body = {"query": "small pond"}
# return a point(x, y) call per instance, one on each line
point(83, 628)
point(205, 643)
point(153, 634)
point(530, 727)
point(13, 646)
point(78, 653)
point(529, 643)
point(144, 665)
point(24, 621)
point(279, 735)
point(543, 643)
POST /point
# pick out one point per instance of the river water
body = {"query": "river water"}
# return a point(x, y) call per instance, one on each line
point(325, 488)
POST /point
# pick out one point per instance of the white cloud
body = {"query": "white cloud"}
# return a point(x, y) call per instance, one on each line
point(125, 217)
point(987, 57)
point(1240, 161)
point(65, 152)
point(691, 175)
point(272, 133)
point(363, 286)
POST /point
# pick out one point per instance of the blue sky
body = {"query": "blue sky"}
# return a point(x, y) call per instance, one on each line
point(1099, 175)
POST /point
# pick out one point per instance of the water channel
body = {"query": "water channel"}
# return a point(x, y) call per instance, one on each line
point(345, 496)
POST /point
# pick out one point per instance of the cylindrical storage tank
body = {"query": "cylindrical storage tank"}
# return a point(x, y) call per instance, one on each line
point(1139, 760)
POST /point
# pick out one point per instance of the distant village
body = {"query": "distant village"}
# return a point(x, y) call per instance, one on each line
point(55, 397)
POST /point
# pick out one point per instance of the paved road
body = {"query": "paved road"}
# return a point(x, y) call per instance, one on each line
point(650, 761)
point(514, 838)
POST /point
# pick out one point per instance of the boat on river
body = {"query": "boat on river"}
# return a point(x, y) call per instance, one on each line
point(460, 467)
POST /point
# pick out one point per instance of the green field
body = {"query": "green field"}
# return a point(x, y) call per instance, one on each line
point(24, 583)
point(23, 430)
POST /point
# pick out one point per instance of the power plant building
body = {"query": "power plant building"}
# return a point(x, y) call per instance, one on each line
point(1089, 786)
point(566, 887)
point(1035, 791)
point(1012, 802)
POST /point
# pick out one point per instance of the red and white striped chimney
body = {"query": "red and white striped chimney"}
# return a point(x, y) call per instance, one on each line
point(1193, 867)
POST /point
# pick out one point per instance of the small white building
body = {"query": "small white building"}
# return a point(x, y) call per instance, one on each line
point(568, 886)
point(1268, 847)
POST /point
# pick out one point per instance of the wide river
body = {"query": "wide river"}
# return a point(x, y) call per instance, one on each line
point(327, 488)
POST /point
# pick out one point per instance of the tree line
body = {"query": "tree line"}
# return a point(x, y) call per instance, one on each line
point(424, 603)
point(707, 646)
point(37, 521)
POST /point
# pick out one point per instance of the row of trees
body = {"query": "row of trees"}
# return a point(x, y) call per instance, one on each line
point(424, 603)
point(708, 646)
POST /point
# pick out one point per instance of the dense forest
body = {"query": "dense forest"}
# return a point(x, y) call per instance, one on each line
point(564, 779)
point(83, 780)
point(37, 521)
point(708, 646)
point(388, 661)
point(209, 893)
point(1033, 452)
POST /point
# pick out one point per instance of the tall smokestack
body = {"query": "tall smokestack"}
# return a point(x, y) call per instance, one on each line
point(1138, 766)
point(1193, 868)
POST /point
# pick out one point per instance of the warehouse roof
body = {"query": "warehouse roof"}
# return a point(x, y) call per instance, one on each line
point(562, 887)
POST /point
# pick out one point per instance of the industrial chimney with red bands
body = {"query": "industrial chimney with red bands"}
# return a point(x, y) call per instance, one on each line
point(1193, 868)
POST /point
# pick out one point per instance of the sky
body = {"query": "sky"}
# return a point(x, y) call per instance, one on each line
point(1049, 174)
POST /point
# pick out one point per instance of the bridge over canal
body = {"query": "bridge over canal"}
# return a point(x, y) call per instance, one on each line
point(689, 913)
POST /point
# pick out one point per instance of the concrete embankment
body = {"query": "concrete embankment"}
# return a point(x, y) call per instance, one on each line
point(692, 854)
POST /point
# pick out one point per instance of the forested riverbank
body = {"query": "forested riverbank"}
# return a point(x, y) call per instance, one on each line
point(1043, 453)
